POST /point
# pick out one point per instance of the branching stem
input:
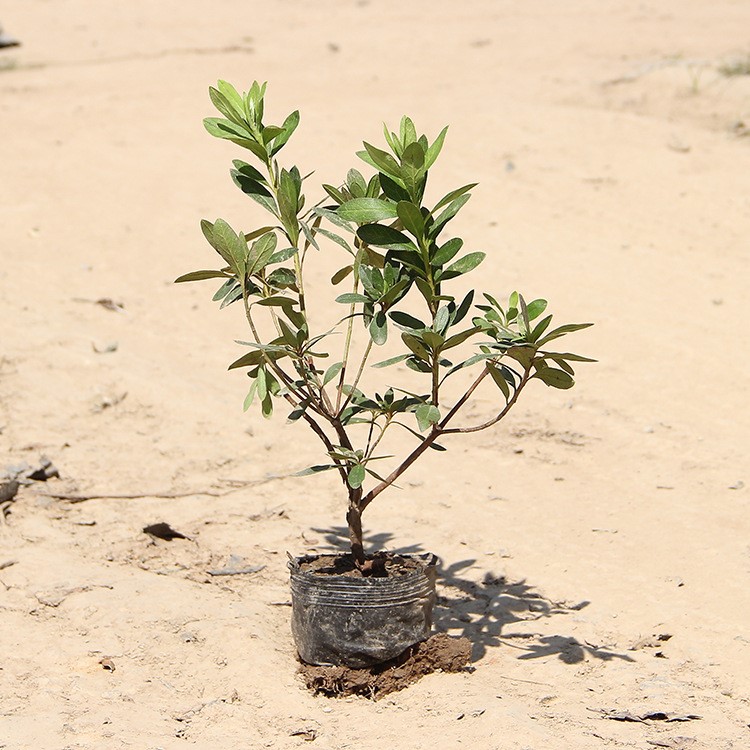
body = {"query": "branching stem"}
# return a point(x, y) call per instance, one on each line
point(438, 430)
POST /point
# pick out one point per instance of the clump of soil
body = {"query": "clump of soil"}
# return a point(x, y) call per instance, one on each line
point(439, 653)
point(380, 565)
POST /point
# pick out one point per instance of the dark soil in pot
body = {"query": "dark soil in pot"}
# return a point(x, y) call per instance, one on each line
point(342, 618)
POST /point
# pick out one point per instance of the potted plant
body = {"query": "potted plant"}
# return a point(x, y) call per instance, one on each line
point(398, 267)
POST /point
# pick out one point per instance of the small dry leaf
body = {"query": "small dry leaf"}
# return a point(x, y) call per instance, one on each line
point(109, 304)
point(652, 641)
point(164, 531)
point(308, 735)
point(648, 716)
point(677, 743)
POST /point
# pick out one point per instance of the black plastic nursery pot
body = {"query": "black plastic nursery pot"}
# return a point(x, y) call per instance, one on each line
point(356, 621)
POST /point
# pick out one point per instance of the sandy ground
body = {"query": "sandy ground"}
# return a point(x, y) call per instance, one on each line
point(612, 158)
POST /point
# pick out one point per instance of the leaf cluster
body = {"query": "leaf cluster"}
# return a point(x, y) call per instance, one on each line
point(398, 255)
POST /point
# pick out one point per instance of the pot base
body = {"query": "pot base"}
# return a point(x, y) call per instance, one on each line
point(440, 652)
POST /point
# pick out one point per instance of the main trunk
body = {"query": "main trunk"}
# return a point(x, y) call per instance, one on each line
point(354, 519)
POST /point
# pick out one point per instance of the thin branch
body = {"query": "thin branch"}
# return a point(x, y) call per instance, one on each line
point(347, 346)
point(437, 430)
point(81, 498)
point(318, 430)
point(368, 349)
point(300, 395)
point(371, 448)
point(498, 417)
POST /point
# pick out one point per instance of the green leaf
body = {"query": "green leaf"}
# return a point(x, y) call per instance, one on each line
point(445, 200)
point(288, 198)
point(382, 160)
point(351, 298)
point(266, 406)
point(247, 403)
point(334, 218)
point(231, 94)
point(254, 189)
point(459, 338)
point(463, 265)
point(463, 308)
point(416, 346)
point(225, 288)
point(391, 361)
point(341, 274)
point(332, 372)
point(540, 328)
point(262, 383)
point(435, 148)
point(442, 319)
point(497, 375)
point(289, 126)
point(281, 255)
point(314, 470)
point(281, 278)
point(418, 365)
point(335, 193)
point(404, 320)
point(231, 246)
point(395, 293)
point(258, 233)
point(535, 308)
point(356, 476)
point(229, 108)
point(412, 168)
point(231, 131)
point(228, 130)
point(364, 210)
point(561, 363)
point(434, 340)
point(392, 140)
point(568, 356)
point(356, 183)
point(260, 253)
point(453, 208)
point(447, 252)
point(296, 414)
point(372, 280)
point(269, 132)
point(383, 236)
point(407, 131)
point(200, 276)
point(411, 217)
point(524, 355)
point(249, 171)
point(309, 233)
point(250, 359)
point(555, 378)
point(392, 189)
point(379, 328)
point(276, 302)
point(427, 415)
point(335, 238)
point(562, 330)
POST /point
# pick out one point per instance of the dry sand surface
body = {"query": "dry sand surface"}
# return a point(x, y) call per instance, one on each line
point(613, 162)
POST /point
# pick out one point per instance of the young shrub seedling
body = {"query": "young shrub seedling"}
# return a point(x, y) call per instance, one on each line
point(397, 252)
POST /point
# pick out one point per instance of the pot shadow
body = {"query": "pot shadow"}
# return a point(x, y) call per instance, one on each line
point(482, 612)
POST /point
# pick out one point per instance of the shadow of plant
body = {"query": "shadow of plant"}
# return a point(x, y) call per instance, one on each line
point(483, 611)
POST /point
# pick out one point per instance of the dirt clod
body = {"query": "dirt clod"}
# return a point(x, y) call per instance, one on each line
point(439, 653)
